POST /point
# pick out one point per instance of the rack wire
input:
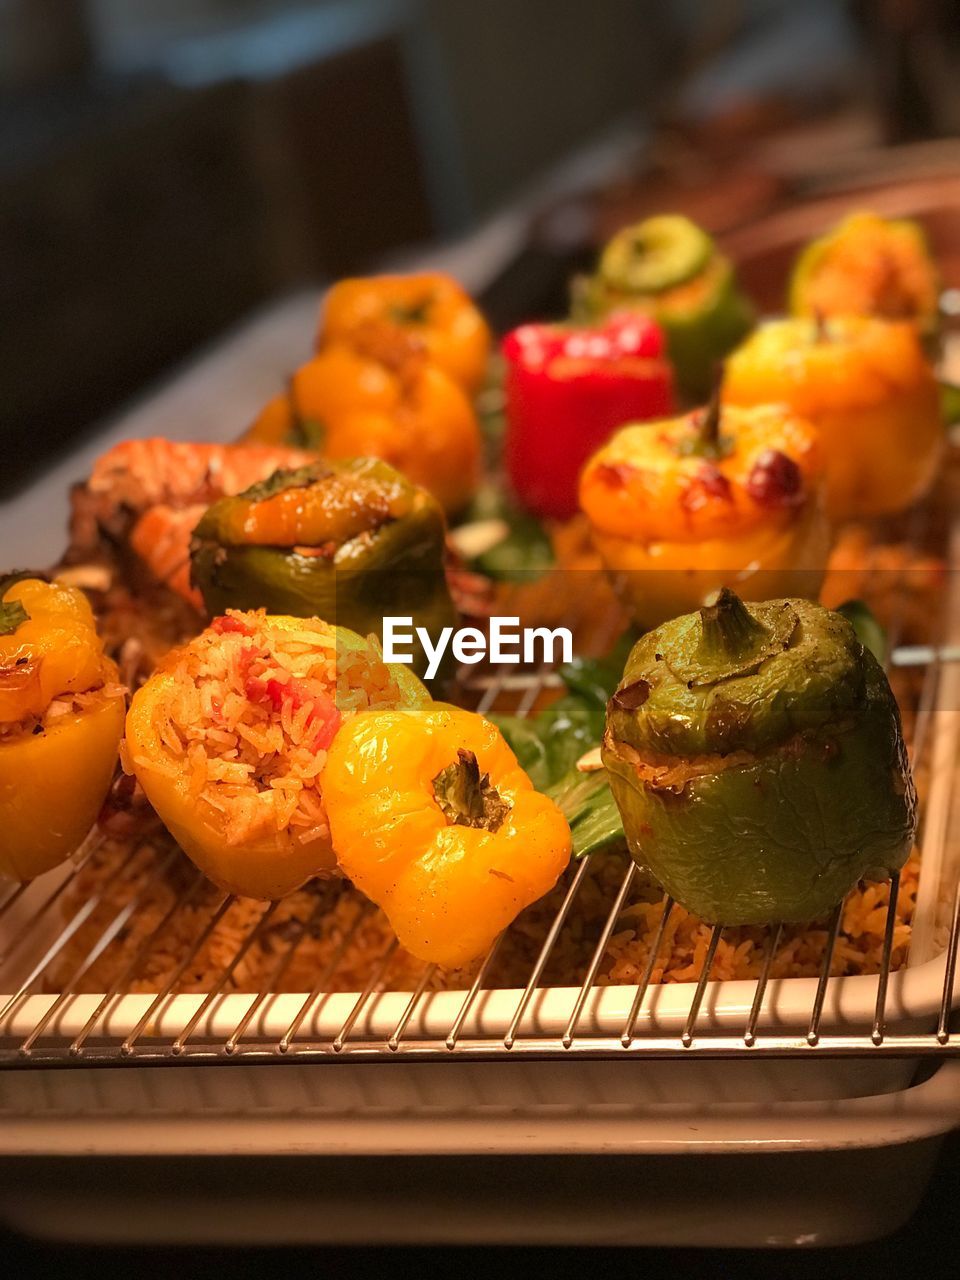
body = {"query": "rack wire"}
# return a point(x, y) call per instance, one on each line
point(59, 1036)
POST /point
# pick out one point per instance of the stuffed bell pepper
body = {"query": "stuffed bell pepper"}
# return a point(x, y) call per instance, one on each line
point(348, 541)
point(430, 306)
point(716, 498)
point(869, 266)
point(756, 755)
point(433, 819)
point(380, 396)
point(61, 719)
point(229, 737)
point(671, 270)
point(867, 387)
point(567, 389)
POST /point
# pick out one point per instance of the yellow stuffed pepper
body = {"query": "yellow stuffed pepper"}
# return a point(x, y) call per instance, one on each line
point(869, 266)
point(61, 718)
point(433, 818)
point(229, 736)
point(680, 508)
point(868, 388)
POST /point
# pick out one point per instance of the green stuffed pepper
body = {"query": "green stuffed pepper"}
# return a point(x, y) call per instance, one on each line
point(757, 759)
point(671, 270)
point(349, 541)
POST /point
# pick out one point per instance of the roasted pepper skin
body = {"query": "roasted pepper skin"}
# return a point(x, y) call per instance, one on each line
point(566, 390)
point(868, 388)
point(266, 867)
point(675, 517)
point(869, 266)
point(347, 541)
point(54, 778)
point(447, 888)
point(759, 784)
point(690, 290)
point(430, 307)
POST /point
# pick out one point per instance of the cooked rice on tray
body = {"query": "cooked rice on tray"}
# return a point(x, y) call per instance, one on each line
point(330, 908)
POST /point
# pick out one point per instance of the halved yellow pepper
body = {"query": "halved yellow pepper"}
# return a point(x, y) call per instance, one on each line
point(56, 762)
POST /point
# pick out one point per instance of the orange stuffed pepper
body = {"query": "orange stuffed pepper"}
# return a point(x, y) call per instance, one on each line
point(430, 307)
point(682, 507)
point(868, 388)
point(381, 397)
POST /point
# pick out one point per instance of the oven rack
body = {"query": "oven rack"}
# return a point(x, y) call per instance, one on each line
point(72, 1028)
point(224, 1026)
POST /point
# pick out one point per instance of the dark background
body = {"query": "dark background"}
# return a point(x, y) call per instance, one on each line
point(168, 165)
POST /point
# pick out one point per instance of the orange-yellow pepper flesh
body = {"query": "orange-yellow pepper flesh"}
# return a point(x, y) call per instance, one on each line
point(868, 388)
point(430, 306)
point(56, 651)
point(673, 525)
point(53, 784)
point(54, 775)
point(409, 413)
point(448, 890)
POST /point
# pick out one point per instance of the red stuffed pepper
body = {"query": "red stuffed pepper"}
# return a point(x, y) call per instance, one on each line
point(567, 390)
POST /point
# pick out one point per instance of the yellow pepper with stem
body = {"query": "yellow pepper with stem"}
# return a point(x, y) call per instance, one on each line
point(61, 718)
point(867, 387)
point(432, 817)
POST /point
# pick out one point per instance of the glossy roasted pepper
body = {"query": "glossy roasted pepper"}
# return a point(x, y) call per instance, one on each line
point(348, 541)
point(756, 755)
point(716, 498)
point(867, 387)
point(433, 819)
point(668, 268)
point(430, 306)
point(566, 390)
point(229, 735)
point(869, 266)
point(61, 718)
point(380, 396)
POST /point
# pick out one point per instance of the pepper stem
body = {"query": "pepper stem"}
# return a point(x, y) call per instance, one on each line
point(708, 442)
point(820, 333)
point(467, 797)
point(728, 630)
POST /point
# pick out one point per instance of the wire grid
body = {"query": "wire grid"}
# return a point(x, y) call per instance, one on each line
point(44, 1045)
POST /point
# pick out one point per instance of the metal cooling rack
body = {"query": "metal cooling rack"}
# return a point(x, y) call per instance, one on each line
point(44, 1043)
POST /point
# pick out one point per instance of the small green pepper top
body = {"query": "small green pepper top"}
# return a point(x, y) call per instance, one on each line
point(730, 678)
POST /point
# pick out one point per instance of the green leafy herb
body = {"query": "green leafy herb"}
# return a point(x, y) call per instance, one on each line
point(587, 803)
point(299, 478)
point(12, 615)
point(869, 631)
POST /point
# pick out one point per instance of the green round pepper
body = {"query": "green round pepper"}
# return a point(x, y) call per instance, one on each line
point(757, 759)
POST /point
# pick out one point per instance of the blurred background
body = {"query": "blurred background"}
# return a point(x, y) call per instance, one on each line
point(169, 166)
